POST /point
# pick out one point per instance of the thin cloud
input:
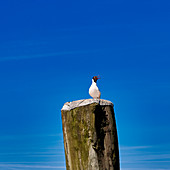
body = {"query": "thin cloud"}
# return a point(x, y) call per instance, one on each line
point(19, 137)
point(144, 157)
point(48, 55)
point(142, 169)
point(133, 147)
point(35, 153)
point(149, 157)
point(31, 166)
point(34, 56)
point(32, 162)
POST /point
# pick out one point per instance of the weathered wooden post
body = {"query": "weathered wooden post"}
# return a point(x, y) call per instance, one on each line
point(90, 135)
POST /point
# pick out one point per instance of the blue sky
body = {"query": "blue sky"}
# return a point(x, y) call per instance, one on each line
point(50, 50)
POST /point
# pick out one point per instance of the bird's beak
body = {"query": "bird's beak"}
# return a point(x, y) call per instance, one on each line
point(98, 77)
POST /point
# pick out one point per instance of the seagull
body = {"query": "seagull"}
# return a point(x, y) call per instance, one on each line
point(93, 90)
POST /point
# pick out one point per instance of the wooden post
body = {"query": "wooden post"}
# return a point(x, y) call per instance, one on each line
point(90, 135)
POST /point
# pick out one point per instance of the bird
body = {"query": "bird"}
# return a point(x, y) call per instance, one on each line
point(94, 90)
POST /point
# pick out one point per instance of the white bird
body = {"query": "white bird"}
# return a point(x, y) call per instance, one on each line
point(94, 90)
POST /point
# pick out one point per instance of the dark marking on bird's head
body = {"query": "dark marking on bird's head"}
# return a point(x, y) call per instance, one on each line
point(95, 78)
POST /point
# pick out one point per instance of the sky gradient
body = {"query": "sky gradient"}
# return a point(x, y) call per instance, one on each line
point(49, 52)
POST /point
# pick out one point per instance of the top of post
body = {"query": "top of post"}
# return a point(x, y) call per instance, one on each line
point(83, 102)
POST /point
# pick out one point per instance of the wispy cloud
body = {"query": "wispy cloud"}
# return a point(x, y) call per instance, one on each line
point(29, 136)
point(145, 157)
point(45, 151)
point(23, 166)
point(142, 169)
point(62, 53)
point(32, 162)
point(34, 56)
point(134, 147)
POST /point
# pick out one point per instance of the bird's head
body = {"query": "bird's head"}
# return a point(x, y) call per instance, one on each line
point(95, 78)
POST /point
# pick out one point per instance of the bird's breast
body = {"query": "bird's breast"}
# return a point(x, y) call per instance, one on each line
point(94, 91)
